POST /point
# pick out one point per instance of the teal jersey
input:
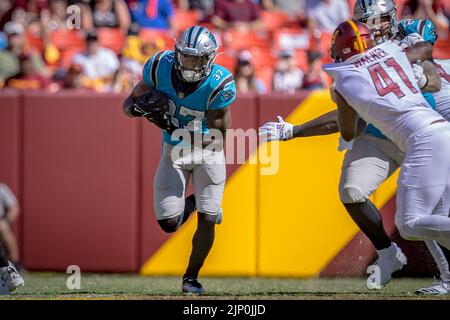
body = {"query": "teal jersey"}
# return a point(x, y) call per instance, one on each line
point(430, 99)
point(373, 131)
point(189, 110)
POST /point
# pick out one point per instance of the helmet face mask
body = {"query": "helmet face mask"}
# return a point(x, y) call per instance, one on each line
point(380, 16)
point(191, 67)
point(381, 28)
point(195, 52)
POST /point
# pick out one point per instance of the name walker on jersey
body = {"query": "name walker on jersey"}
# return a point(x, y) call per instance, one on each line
point(369, 57)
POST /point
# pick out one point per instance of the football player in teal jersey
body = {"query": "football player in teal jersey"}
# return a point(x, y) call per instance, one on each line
point(188, 96)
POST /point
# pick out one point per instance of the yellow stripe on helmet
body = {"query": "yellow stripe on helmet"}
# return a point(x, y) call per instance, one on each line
point(362, 45)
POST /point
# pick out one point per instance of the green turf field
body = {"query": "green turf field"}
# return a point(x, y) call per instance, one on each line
point(125, 286)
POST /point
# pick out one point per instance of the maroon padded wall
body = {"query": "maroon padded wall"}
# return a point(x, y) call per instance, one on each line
point(152, 236)
point(80, 183)
point(10, 142)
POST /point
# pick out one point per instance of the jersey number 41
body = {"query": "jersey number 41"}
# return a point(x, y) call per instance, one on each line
point(378, 73)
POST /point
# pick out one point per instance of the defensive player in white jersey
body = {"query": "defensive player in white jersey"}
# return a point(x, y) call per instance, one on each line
point(372, 158)
point(395, 105)
point(441, 255)
point(188, 96)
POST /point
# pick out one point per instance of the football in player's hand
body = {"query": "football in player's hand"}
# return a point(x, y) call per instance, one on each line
point(152, 104)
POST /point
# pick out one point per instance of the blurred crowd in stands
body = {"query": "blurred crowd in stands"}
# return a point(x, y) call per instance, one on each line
point(101, 45)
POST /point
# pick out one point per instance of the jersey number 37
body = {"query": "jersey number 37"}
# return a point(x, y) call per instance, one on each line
point(195, 116)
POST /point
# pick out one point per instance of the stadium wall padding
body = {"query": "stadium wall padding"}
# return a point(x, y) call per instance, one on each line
point(10, 151)
point(84, 173)
point(80, 169)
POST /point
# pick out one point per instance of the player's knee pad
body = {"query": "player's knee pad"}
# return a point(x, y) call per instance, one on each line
point(406, 229)
point(171, 225)
point(350, 194)
point(168, 208)
point(405, 232)
point(207, 218)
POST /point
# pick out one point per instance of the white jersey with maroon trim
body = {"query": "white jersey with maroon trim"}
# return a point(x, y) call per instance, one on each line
point(442, 97)
point(381, 87)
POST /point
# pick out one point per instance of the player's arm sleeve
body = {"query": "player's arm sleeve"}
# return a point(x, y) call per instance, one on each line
point(146, 73)
point(149, 71)
point(223, 95)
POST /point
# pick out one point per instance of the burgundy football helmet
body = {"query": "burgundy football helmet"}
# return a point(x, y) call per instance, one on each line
point(350, 38)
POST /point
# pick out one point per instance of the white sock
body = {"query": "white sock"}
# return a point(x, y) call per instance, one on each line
point(446, 277)
point(388, 252)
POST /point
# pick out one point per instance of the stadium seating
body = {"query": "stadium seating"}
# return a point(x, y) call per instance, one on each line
point(291, 38)
point(323, 44)
point(112, 38)
point(302, 59)
point(282, 32)
point(67, 39)
point(35, 42)
point(265, 74)
point(442, 49)
point(262, 57)
point(67, 42)
point(446, 4)
point(151, 34)
point(273, 20)
point(226, 60)
point(184, 19)
point(67, 56)
point(238, 40)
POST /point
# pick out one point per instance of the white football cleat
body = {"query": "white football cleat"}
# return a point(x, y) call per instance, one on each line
point(438, 288)
point(389, 261)
point(10, 278)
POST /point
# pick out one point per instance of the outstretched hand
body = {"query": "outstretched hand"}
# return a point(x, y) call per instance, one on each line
point(273, 131)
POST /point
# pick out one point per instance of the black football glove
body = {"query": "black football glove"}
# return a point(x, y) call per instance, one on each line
point(163, 122)
point(153, 106)
point(150, 104)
